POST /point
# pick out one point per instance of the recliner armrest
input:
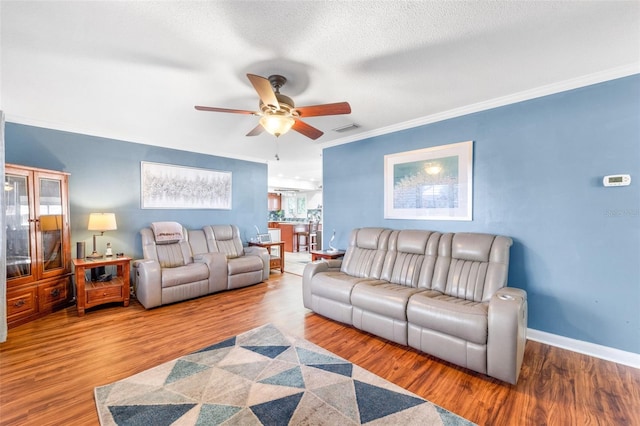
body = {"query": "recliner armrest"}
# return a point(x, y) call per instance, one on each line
point(148, 282)
point(334, 263)
point(507, 333)
point(263, 253)
point(218, 270)
point(312, 269)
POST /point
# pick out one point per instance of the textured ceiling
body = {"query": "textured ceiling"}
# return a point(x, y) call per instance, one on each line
point(133, 70)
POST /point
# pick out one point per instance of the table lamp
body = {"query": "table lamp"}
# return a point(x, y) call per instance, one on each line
point(100, 222)
point(332, 249)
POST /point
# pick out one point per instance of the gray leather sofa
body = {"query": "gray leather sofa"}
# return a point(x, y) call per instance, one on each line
point(181, 264)
point(443, 294)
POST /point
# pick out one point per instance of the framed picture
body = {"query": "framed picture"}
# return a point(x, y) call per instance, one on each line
point(165, 186)
point(431, 184)
point(264, 238)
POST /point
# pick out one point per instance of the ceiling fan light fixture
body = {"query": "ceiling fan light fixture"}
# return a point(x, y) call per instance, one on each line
point(277, 124)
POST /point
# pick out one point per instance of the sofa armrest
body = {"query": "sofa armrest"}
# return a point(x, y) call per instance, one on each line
point(334, 263)
point(263, 253)
point(218, 270)
point(148, 282)
point(507, 333)
point(312, 269)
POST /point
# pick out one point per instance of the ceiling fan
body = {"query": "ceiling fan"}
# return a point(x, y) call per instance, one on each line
point(278, 114)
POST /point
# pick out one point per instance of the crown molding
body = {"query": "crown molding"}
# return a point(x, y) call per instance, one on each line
point(549, 89)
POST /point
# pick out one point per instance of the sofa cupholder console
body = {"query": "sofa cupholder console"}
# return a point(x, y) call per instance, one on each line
point(441, 293)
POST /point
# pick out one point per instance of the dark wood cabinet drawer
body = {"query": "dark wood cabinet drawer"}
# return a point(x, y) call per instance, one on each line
point(275, 262)
point(21, 303)
point(53, 294)
point(102, 292)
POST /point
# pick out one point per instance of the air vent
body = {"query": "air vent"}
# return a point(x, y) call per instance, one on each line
point(346, 128)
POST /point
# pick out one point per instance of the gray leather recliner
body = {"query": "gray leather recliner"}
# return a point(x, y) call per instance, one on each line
point(444, 294)
point(181, 264)
point(245, 265)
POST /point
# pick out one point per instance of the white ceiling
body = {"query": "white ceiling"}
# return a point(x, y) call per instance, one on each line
point(133, 70)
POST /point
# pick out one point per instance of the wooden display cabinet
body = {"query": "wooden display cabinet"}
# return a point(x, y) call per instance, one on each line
point(37, 242)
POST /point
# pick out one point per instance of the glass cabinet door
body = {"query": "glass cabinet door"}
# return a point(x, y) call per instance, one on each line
point(50, 224)
point(19, 245)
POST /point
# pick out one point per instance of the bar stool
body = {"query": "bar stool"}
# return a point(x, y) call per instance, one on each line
point(301, 237)
point(313, 236)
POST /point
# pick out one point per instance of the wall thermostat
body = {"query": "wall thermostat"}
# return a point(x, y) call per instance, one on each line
point(616, 180)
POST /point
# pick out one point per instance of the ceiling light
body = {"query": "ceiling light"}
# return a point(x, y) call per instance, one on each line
point(277, 123)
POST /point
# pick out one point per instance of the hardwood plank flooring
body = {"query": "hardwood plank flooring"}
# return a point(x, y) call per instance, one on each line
point(49, 367)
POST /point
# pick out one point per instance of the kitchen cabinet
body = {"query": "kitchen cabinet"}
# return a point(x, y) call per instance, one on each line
point(37, 242)
point(286, 235)
point(274, 201)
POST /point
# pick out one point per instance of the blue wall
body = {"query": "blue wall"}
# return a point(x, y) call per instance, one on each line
point(105, 177)
point(538, 168)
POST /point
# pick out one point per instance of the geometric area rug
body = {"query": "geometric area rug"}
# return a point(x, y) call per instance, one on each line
point(263, 377)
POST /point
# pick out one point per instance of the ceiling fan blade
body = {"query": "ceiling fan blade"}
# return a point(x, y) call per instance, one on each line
point(234, 111)
point(309, 131)
point(326, 109)
point(263, 87)
point(256, 130)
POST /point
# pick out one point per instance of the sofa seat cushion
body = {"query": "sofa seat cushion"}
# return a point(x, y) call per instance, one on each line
point(184, 274)
point(242, 264)
point(384, 298)
point(335, 285)
point(456, 317)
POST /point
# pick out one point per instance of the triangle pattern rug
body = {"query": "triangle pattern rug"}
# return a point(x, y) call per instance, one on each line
point(263, 377)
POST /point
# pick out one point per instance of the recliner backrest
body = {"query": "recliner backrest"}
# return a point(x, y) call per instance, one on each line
point(170, 249)
point(224, 239)
point(366, 252)
point(471, 266)
point(411, 258)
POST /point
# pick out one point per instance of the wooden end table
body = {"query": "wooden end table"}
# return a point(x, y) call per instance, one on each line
point(93, 293)
point(276, 262)
point(326, 254)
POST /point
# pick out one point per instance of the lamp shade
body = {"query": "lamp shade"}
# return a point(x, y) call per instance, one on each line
point(102, 222)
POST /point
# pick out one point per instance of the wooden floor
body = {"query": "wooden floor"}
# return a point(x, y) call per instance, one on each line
point(49, 368)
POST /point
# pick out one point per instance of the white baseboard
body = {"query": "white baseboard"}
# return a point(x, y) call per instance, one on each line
point(604, 352)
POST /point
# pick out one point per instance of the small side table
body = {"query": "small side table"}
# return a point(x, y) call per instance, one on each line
point(93, 293)
point(276, 262)
point(326, 254)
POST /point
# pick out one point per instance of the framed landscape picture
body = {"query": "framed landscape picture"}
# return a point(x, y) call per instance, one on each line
point(165, 186)
point(430, 184)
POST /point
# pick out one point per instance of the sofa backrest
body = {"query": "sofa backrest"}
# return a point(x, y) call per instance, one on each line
point(197, 241)
point(411, 258)
point(366, 252)
point(471, 266)
point(224, 239)
point(166, 242)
